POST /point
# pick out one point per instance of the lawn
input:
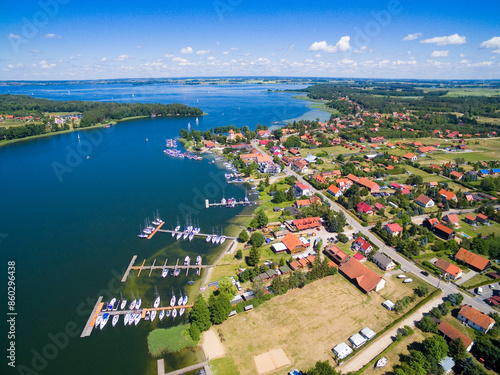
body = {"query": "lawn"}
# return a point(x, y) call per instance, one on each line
point(481, 229)
point(223, 366)
point(479, 278)
point(308, 323)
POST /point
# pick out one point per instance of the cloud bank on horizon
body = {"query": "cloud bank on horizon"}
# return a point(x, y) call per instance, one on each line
point(57, 39)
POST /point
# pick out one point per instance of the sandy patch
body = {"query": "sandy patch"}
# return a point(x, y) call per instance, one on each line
point(271, 360)
point(212, 347)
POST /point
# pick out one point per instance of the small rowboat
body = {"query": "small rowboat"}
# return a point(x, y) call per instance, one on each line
point(381, 362)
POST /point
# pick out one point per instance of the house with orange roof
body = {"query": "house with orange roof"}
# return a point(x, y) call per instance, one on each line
point(343, 183)
point(456, 175)
point(293, 243)
point(452, 218)
point(307, 223)
point(300, 166)
point(473, 260)
point(448, 195)
point(306, 202)
point(330, 174)
point(449, 269)
point(451, 333)
point(443, 231)
point(410, 156)
point(475, 319)
point(335, 191)
point(336, 254)
point(470, 219)
point(433, 184)
point(362, 276)
point(424, 201)
point(483, 219)
point(319, 179)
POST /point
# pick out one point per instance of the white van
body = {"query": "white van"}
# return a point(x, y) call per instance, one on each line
point(479, 291)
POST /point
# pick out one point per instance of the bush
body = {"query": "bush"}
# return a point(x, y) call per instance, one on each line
point(422, 290)
point(171, 340)
point(426, 324)
point(343, 238)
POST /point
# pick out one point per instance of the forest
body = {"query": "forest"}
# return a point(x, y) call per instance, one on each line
point(92, 112)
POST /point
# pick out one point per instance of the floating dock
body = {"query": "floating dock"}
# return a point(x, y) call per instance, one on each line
point(161, 368)
point(93, 316)
point(156, 230)
point(220, 204)
point(204, 235)
point(154, 267)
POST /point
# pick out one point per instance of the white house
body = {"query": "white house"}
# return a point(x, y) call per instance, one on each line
point(475, 319)
point(357, 340)
point(367, 333)
point(301, 189)
point(424, 201)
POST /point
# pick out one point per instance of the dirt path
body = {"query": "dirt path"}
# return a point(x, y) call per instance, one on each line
point(230, 246)
point(364, 356)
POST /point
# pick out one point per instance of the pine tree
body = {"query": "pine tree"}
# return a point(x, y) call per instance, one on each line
point(200, 314)
point(220, 307)
point(254, 256)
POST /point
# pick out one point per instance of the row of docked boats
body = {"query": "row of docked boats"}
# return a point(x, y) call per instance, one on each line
point(171, 143)
point(189, 232)
point(150, 226)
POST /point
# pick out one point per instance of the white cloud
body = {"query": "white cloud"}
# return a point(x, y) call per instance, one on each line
point(401, 62)
point(341, 46)
point(493, 43)
point(363, 50)
point(104, 59)
point(203, 52)
point(439, 54)
point(412, 36)
point(318, 55)
point(125, 57)
point(10, 66)
point(347, 62)
point(445, 40)
point(496, 51)
point(462, 55)
point(168, 55)
point(186, 50)
point(480, 64)
point(14, 36)
point(51, 36)
point(464, 61)
point(138, 47)
point(225, 52)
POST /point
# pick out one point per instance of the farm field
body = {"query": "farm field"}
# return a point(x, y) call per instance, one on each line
point(322, 314)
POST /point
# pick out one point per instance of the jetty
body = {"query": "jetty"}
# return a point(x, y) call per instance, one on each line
point(203, 235)
point(161, 368)
point(93, 316)
point(160, 267)
point(220, 204)
point(156, 230)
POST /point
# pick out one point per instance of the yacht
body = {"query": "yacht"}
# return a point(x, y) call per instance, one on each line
point(164, 273)
point(115, 319)
point(185, 235)
point(126, 319)
point(111, 304)
point(98, 321)
point(198, 260)
point(181, 311)
point(174, 313)
point(172, 301)
point(178, 235)
point(180, 301)
point(116, 305)
point(138, 304)
point(187, 260)
point(123, 304)
point(191, 236)
point(222, 239)
point(147, 315)
point(137, 319)
point(168, 313)
point(408, 280)
point(209, 238)
point(132, 305)
point(177, 272)
point(153, 315)
point(185, 299)
point(157, 302)
point(401, 276)
point(173, 233)
point(104, 320)
point(177, 228)
point(161, 315)
point(381, 362)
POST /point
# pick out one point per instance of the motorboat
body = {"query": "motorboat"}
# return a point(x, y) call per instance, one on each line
point(198, 260)
point(153, 315)
point(408, 280)
point(161, 315)
point(157, 302)
point(187, 260)
point(115, 320)
point(111, 304)
point(116, 305)
point(104, 307)
point(148, 313)
point(381, 362)
point(164, 273)
point(168, 313)
point(104, 320)
point(401, 276)
point(123, 304)
point(177, 272)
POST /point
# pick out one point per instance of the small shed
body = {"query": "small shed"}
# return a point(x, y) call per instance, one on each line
point(279, 247)
point(284, 270)
point(342, 350)
point(367, 333)
point(249, 307)
point(357, 340)
point(248, 295)
point(236, 300)
point(447, 363)
point(232, 313)
point(389, 305)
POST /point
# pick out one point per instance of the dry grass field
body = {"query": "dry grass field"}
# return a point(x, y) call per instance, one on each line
point(308, 323)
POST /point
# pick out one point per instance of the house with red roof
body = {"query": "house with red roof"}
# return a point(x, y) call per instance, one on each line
point(424, 201)
point(335, 191)
point(483, 219)
point(449, 269)
point(475, 319)
point(451, 333)
point(264, 133)
point(293, 243)
point(360, 257)
point(452, 218)
point(393, 229)
point(473, 260)
point(410, 156)
point(364, 208)
point(301, 189)
point(362, 276)
point(379, 206)
point(362, 245)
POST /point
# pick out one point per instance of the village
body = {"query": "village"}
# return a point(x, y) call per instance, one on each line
point(400, 220)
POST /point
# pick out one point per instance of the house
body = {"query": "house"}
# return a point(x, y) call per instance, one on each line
point(342, 350)
point(357, 340)
point(470, 219)
point(331, 174)
point(456, 175)
point(447, 364)
point(433, 184)
point(209, 144)
point(473, 260)
point(269, 167)
point(444, 232)
point(343, 183)
point(448, 195)
point(300, 166)
point(364, 208)
point(319, 179)
point(383, 261)
point(301, 189)
point(362, 245)
point(336, 254)
point(475, 319)
point(379, 206)
point(424, 201)
point(483, 219)
point(310, 158)
point(359, 257)
point(410, 156)
point(307, 202)
point(451, 333)
point(264, 133)
point(293, 244)
point(452, 218)
point(393, 229)
point(362, 276)
point(367, 333)
point(306, 223)
point(279, 247)
point(448, 269)
point(335, 191)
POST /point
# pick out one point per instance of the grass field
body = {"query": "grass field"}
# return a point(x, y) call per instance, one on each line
point(481, 229)
point(223, 366)
point(308, 323)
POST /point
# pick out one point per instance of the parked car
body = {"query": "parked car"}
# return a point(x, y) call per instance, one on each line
point(425, 273)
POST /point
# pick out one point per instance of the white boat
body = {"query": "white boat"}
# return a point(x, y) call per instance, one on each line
point(111, 304)
point(177, 228)
point(157, 302)
point(191, 236)
point(198, 260)
point(173, 233)
point(123, 304)
point(161, 315)
point(138, 304)
point(408, 280)
point(164, 273)
point(178, 236)
point(180, 300)
point(209, 237)
point(172, 301)
point(132, 305)
point(381, 362)
point(174, 313)
point(104, 320)
point(115, 319)
point(137, 319)
point(401, 276)
point(126, 319)
point(187, 260)
point(185, 299)
point(153, 315)
point(177, 272)
point(222, 239)
point(214, 238)
point(148, 313)
point(181, 311)
point(98, 321)
point(185, 235)
point(168, 313)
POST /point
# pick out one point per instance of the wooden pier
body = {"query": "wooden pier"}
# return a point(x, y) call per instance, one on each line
point(204, 235)
point(87, 330)
point(161, 368)
point(161, 267)
point(220, 204)
point(156, 230)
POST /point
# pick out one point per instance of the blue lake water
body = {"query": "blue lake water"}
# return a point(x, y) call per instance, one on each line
point(71, 224)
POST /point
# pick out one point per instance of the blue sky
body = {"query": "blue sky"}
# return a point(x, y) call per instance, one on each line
point(68, 39)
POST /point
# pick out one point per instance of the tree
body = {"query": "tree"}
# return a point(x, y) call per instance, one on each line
point(194, 332)
point(227, 286)
point(262, 219)
point(220, 307)
point(456, 299)
point(292, 141)
point(343, 238)
point(257, 239)
point(435, 347)
point(243, 236)
point(258, 287)
point(254, 256)
point(239, 254)
point(279, 197)
point(322, 368)
point(341, 221)
point(200, 314)
point(426, 324)
point(457, 349)
point(290, 196)
point(422, 290)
